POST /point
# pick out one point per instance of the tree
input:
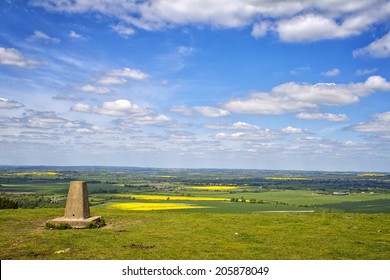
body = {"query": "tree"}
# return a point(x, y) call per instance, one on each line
point(6, 203)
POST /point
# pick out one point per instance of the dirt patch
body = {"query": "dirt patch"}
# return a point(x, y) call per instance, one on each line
point(139, 246)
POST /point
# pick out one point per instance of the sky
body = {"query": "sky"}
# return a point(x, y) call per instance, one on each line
point(290, 85)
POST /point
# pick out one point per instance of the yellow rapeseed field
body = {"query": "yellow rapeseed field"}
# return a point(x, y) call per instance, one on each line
point(371, 175)
point(174, 197)
point(38, 173)
point(142, 206)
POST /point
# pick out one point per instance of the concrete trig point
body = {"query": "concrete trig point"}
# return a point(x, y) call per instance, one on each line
point(77, 213)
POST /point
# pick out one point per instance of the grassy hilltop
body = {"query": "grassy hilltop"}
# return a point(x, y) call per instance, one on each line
point(177, 235)
point(201, 214)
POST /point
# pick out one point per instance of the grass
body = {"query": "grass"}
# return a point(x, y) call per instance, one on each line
point(369, 206)
point(187, 235)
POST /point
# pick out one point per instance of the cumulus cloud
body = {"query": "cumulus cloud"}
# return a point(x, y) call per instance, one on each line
point(378, 49)
point(323, 116)
point(332, 73)
point(121, 107)
point(377, 83)
point(40, 36)
point(267, 104)
point(93, 89)
point(206, 111)
point(293, 130)
point(308, 27)
point(314, 27)
point(380, 123)
point(10, 56)
point(296, 97)
point(9, 104)
point(293, 21)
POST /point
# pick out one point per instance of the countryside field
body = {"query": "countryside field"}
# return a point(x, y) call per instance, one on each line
point(199, 214)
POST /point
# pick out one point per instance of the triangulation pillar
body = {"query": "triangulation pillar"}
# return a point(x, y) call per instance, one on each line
point(77, 213)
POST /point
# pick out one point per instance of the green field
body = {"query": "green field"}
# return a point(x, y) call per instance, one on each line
point(201, 214)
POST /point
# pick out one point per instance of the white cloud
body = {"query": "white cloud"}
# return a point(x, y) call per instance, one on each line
point(262, 135)
point(183, 110)
point(380, 123)
point(267, 104)
point(260, 29)
point(377, 83)
point(77, 36)
point(232, 126)
point(295, 97)
point(206, 111)
point(93, 89)
point(308, 27)
point(295, 21)
point(293, 130)
point(40, 36)
point(37, 120)
point(81, 107)
point(9, 104)
point(323, 116)
point(133, 115)
point(122, 30)
point(110, 80)
point(379, 48)
point(146, 119)
point(211, 112)
point(121, 76)
point(121, 107)
point(366, 71)
point(134, 74)
point(332, 73)
point(13, 57)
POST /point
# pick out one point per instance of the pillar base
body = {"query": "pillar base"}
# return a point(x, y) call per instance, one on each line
point(75, 223)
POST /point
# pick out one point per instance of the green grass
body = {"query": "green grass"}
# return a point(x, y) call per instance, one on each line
point(190, 235)
point(368, 206)
point(41, 188)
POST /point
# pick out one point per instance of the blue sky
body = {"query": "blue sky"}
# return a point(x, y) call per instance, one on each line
point(261, 84)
